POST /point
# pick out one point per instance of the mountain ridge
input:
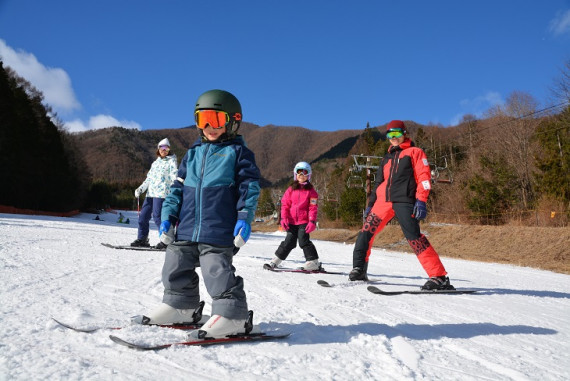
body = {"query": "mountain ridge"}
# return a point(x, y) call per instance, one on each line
point(118, 154)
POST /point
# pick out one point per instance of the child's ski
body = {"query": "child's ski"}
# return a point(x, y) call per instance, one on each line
point(203, 342)
point(289, 270)
point(324, 283)
point(189, 326)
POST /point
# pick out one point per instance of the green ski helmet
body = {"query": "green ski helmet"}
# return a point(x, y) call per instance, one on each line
point(222, 101)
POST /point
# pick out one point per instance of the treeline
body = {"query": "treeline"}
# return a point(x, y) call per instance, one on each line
point(41, 167)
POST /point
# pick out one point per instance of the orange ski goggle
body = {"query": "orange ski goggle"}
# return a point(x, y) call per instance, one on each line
point(213, 118)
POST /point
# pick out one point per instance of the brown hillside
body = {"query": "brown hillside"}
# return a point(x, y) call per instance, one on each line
point(277, 149)
point(120, 154)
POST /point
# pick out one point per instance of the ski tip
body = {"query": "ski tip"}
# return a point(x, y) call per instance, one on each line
point(374, 289)
point(324, 283)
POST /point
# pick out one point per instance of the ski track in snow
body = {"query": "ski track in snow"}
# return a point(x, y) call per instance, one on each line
point(516, 327)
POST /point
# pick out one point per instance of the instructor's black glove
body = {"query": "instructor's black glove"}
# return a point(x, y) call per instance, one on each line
point(420, 210)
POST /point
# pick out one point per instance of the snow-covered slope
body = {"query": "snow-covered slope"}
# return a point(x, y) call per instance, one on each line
point(516, 328)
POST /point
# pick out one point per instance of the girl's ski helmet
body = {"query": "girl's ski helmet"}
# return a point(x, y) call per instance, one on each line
point(302, 165)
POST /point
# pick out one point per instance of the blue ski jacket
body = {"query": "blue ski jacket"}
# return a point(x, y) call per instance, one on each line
point(216, 180)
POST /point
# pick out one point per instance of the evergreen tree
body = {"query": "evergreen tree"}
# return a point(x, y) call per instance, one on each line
point(553, 160)
point(352, 203)
point(40, 172)
point(265, 204)
point(493, 192)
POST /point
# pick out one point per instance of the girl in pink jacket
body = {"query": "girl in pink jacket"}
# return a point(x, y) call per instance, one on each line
point(298, 218)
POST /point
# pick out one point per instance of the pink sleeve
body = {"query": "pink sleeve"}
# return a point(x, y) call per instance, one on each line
point(286, 205)
point(313, 205)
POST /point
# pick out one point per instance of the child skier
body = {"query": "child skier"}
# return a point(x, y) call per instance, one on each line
point(402, 189)
point(298, 218)
point(213, 200)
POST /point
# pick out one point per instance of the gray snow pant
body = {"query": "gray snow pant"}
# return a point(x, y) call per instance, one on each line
point(181, 283)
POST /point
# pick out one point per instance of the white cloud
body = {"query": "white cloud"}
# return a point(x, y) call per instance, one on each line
point(477, 106)
point(99, 121)
point(561, 23)
point(54, 83)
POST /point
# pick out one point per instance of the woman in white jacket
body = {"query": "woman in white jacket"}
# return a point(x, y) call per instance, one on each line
point(157, 184)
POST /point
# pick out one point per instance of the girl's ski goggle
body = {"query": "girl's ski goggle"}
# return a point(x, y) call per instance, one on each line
point(302, 172)
point(394, 133)
point(213, 118)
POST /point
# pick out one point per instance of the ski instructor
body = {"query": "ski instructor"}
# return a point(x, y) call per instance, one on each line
point(401, 190)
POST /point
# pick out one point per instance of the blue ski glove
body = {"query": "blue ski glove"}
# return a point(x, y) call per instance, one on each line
point(166, 232)
point(242, 231)
point(420, 210)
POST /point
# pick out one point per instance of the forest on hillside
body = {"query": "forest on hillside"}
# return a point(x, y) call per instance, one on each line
point(510, 166)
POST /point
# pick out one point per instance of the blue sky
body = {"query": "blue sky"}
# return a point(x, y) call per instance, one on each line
point(322, 65)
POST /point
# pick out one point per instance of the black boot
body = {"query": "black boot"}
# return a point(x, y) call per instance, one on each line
point(359, 273)
point(141, 242)
point(161, 246)
point(438, 283)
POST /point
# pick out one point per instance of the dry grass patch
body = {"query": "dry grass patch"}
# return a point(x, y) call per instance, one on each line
point(537, 247)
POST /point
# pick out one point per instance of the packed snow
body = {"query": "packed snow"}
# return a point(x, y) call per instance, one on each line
point(516, 327)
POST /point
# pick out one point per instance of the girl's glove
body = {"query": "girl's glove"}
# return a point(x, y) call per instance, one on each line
point(310, 227)
point(285, 225)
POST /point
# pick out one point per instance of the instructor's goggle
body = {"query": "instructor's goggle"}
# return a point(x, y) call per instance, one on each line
point(213, 118)
point(394, 133)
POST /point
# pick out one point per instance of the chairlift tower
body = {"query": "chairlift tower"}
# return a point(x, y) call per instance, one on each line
point(441, 174)
point(363, 162)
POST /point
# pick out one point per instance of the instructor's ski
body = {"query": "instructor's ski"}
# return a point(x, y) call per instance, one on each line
point(203, 342)
point(289, 270)
point(377, 291)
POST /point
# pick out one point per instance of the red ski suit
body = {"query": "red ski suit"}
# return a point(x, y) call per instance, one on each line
point(402, 178)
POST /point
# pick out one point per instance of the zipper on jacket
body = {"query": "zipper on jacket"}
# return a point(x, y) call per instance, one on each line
point(198, 216)
point(393, 170)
